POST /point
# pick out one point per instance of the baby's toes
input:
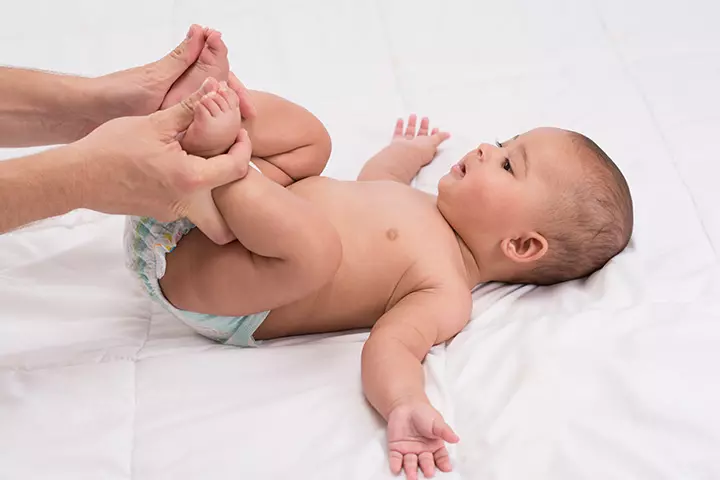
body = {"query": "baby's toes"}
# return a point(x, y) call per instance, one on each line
point(230, 97)
point(222, 102)
point(211, 104)
point(202, 112)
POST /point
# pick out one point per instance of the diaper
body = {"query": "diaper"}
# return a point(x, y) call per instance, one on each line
point(147, 241)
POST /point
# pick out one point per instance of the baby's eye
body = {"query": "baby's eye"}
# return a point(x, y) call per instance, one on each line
point(506, 165)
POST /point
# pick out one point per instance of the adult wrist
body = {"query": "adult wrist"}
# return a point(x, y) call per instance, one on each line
point(91, 105)
point(76, 180)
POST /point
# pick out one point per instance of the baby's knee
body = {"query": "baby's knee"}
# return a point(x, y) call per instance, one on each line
point(322, 146)
point(310, 159)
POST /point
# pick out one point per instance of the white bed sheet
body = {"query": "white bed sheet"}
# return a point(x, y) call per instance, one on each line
point(614, 377)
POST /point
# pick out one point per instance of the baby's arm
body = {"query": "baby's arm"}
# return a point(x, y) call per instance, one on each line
point(407, 153)
point(393, 378)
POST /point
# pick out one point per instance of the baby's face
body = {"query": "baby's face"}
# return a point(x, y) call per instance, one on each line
point(504, 191)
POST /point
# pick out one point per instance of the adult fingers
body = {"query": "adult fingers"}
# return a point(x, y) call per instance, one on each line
point(174, 64)
point(178, 118)
point(228, 167)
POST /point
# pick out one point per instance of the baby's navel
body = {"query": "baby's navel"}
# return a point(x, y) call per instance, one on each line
point(391, 234)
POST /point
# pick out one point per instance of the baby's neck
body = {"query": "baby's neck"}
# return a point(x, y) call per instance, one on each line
point(472, 271)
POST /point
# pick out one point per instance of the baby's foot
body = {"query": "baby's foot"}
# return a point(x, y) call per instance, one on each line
point(216, 124)
point(202, 210)
point(212, 62)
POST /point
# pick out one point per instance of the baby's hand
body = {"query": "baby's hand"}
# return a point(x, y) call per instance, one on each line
point(416, 435)
point(424, 146)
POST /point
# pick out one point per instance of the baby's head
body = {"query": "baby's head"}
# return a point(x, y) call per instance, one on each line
point(545, 207)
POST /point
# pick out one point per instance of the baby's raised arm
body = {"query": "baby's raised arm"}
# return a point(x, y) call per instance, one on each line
point(393, 378)
point(407, 153)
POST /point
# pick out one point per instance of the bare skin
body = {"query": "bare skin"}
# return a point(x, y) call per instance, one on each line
point(411, 299)
point(211, 62)
point(288, 143)
point(324, 255)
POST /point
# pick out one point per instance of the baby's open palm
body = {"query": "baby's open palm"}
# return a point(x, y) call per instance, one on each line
point(416, 437)
point(425, 145)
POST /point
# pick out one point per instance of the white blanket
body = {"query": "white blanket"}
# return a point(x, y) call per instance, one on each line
point(614, 377)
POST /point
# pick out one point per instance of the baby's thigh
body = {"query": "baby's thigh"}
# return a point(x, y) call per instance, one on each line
point(228, 280)
point(204, 277)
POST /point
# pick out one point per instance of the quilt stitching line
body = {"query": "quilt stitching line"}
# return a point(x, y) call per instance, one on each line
point(656, 123)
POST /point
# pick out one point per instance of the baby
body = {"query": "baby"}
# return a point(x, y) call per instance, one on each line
point(322, 255)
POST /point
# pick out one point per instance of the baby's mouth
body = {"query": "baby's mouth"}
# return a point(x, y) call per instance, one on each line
point(460, 168)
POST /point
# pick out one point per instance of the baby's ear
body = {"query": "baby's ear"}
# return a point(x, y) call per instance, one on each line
point(530, 247)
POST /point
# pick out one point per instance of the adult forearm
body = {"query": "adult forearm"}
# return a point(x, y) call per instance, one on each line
point(391, 375)
point(41, 108)
point(40, 186)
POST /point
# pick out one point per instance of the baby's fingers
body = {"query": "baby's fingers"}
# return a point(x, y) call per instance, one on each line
point(442, 460)
point(411, 465)
point(396, 462)
point(399, 128)
point(443, 430)
point(439, 137)
point(410, 130)
point(424, 126)
point(427, 464)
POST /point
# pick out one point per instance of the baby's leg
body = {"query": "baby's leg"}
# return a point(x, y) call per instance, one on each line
point(289, 142)
point(214, 129)
point(286, 249)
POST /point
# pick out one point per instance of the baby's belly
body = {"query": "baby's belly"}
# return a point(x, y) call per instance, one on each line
point(352, 300)
point(378, 245)
point(363, 287)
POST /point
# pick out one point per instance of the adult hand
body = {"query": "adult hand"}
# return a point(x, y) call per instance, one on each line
point(41, 108)
point(135, 165)
point(141, 90)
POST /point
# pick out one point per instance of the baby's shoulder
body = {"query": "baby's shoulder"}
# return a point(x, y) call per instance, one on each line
point(446, 303)
point(441, 274)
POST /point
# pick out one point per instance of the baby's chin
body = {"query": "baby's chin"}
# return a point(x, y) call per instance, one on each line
point(444, 183)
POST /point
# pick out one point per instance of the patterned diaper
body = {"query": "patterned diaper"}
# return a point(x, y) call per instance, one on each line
point(147, 241)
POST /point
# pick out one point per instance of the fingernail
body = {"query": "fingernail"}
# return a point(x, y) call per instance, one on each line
point(189, 33)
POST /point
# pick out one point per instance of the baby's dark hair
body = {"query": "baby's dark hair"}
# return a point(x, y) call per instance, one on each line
point(592, 222)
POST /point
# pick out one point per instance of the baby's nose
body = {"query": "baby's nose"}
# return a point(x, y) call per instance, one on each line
point(482, 148)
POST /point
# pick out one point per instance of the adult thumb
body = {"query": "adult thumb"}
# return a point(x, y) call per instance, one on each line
point(178, 118)
point(228, 167)
point(171, 66)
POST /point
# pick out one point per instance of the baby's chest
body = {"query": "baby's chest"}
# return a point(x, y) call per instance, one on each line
point(389, 242)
